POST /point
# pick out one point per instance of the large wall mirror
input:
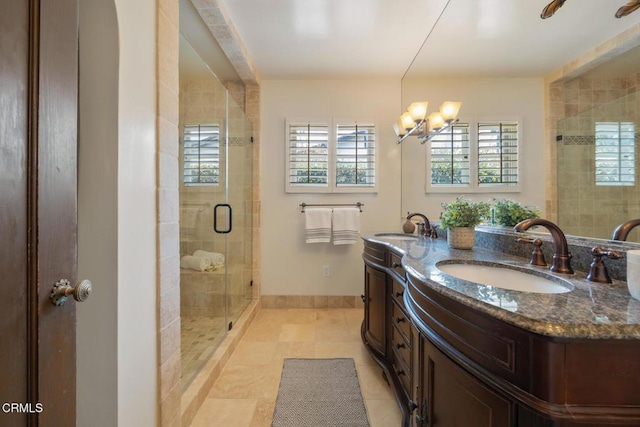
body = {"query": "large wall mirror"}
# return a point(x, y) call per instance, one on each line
point(579, 117)
point(598, 183)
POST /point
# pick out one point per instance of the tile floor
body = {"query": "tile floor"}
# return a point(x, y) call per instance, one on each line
point(245, 393)
point(199, 337)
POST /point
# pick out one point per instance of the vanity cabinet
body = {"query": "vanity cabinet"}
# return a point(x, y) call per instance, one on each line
point(451, 363)
point(387, 330)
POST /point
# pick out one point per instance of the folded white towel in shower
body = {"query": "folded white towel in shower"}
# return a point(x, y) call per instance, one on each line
point(216, 259)
point(195, 263)
point(346, 226)
point(317, 225)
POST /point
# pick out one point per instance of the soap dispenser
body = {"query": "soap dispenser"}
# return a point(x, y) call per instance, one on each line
point(408, 227)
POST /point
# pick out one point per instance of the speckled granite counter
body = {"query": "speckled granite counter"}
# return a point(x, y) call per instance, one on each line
point(590, 310)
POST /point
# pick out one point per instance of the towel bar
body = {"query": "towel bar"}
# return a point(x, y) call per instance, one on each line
point(304, 205)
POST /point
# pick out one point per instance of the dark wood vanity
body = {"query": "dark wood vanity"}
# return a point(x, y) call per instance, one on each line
point(452, 364)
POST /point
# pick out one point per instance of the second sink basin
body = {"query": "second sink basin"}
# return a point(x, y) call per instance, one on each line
point(505, 277)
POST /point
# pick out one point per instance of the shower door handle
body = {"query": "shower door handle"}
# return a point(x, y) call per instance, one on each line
point(215, 218)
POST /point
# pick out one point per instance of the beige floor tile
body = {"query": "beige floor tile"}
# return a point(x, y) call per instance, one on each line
point(240, 382)
point(246, 391)
point(373, 383)
point(253, 353)
point(298, 333)
point(355, 350)
point(263, 414)
point(383, 413)
point(294, 350)
point(225, 412)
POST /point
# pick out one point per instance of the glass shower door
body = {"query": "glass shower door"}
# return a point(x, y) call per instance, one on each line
point(236, 215)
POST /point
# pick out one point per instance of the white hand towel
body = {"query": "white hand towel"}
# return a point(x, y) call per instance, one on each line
point(318, 225)
point(215, 258)
point(195, 263)
point(346, 226)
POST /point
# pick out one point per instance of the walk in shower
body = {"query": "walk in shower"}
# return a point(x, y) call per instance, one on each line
point(215, 165)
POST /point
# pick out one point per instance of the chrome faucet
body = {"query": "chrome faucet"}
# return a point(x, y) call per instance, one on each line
point(561, 256)
point(622, 231)
point(427, 230)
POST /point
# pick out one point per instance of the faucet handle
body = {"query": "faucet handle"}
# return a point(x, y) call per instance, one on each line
point(597, 270)
point(537, 257)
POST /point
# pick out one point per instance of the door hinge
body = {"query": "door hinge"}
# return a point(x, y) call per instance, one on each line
point(251, 139)
point(251, 283)
point(230, 325)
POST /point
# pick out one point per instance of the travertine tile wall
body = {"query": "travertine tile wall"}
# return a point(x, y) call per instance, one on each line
point(555, 104)
point(167, 200)
point(586, 209)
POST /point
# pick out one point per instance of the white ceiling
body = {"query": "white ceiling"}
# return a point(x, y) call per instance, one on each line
point(305, 39)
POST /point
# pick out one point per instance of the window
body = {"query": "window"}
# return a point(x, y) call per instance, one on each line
point(201, 157)
point(450, 156)
point(355, 155)
point(615, 153)
point(462, 161)
point(498, 153)
point(308, 155)
point(326, 158)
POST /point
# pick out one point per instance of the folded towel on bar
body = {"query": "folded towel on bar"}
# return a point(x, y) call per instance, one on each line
point(215, 258)
point(318, 225)
point(346, 226)
point(195, 263)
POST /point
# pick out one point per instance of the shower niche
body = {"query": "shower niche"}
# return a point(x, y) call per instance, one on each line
point(215, 196)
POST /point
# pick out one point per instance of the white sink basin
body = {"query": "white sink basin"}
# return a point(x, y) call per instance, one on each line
point(397, 236)
point(505, 277)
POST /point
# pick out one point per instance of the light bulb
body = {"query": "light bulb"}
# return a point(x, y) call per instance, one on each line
point(449, 110)
point(418, 111)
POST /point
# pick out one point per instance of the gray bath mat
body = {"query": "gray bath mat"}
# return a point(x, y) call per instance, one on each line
point(319, 392)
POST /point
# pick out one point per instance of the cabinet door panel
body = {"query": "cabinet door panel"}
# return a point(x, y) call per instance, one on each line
point(375, 290)
point(455, 398)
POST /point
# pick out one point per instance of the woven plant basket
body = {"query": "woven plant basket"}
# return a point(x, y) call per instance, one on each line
point(461, 237)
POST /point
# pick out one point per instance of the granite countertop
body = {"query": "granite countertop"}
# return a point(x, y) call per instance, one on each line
point(591, 310)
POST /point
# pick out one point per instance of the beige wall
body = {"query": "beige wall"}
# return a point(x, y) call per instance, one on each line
point(482, 98)
point(117, 336)
point(289, 266)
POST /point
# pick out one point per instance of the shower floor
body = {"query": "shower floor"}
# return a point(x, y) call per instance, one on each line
point(200, 335)
point(199, 338)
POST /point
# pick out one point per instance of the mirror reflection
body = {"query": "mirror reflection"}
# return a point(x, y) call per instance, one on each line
point(597, 143)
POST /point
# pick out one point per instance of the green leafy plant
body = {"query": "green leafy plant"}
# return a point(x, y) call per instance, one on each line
point(463, 213)
point(510, 212)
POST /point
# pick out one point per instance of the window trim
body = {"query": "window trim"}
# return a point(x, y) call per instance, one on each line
point(474, 184)
point(331, 187)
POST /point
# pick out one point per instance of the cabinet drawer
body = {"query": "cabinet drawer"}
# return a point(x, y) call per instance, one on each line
point(374, 253)
point(401, 346)
point(400, 321)
point(397, 292)
point(395, 263)
point(402, 371)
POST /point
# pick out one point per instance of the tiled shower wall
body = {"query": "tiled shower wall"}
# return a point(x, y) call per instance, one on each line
point(586, 209)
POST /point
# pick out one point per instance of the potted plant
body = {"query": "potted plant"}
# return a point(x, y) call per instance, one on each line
point(459, 219)
point(509, 212)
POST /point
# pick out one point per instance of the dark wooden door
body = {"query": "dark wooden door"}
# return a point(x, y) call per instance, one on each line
point(38, 145)
point(375, 317)
point(454, 398)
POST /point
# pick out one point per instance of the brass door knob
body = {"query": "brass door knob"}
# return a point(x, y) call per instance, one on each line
point(63, 289)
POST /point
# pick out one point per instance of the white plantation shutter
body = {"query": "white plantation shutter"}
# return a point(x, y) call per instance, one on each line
point(498, 154)
point(201, 155)
point(308, 155)
point(615, 153)
point(355, 155)
point(449, 155)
